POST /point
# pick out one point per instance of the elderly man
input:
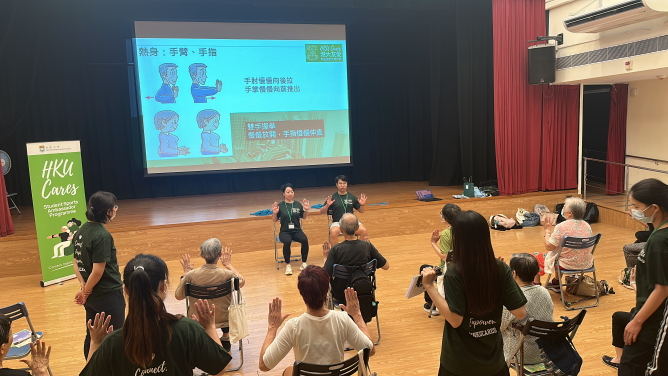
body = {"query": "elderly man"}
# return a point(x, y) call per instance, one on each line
point(210, 274)
point(350, 252)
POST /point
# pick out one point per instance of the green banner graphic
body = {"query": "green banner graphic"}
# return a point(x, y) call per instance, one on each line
point(59, 202)
point(324, 53)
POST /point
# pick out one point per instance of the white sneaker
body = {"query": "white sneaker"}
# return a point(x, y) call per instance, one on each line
point(304, 265)
point(288, 270)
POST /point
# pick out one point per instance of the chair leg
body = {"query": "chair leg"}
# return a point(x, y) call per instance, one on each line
point(241, 357)
point(377, 326)
point(561, 291)
point(14, 205)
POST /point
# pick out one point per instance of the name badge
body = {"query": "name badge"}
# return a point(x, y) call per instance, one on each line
point(291, 226)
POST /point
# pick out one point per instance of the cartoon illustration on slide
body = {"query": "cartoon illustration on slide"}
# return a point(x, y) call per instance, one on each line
point(73, 225)
point(65, 237)
point(198, 90)
point(168, 91)
point(167, 122)
point(208, 121)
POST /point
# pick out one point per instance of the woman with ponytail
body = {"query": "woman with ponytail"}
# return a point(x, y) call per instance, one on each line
point(153, 341)
point(96, 265)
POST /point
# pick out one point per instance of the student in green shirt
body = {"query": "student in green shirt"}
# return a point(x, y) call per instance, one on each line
point(290, 213)
point(96, 266)
point(639, 335)
point(441, 243)
point(340, 203)
point(153, 341)
point(477, 287)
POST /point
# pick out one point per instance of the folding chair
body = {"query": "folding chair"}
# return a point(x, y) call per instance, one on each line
point(369, 308)
point(293, 257)
point(212, 292)
point(13, 206)
point(15, 312)
point(542, 329)
point(348, 367)
point(575, 243)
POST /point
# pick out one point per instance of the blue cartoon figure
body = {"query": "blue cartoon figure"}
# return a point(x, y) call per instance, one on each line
point(198, 90)
point(208, 121)
point(168, 91)
point(167, 122)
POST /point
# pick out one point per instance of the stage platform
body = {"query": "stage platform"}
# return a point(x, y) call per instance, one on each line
point(169, 227)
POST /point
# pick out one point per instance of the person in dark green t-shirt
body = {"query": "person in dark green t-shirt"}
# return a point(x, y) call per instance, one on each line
point(96, 266)
point(74, 225)
point(638, 336)
point(153, 341)
point(477, 287)
point(340, 203)
point(291, 213)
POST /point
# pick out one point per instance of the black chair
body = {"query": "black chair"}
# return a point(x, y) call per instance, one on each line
point(348, 367)
point(15, 312)
point(575, 243)
point(212, 292)
point(542, 329)
point(368, 304)
point(293, 257)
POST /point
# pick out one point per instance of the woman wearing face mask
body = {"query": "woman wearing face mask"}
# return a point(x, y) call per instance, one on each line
point(96, 265)
point(290, 214)
point(635, 333)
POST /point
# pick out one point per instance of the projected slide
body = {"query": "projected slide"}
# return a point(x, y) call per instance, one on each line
point(221, 96)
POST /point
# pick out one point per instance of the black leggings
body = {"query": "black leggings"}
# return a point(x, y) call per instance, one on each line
point(114, 305)
point(287, 238)
point(427, 298)
point(635, 358)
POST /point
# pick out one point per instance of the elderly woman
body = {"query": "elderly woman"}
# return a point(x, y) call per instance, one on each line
point(317, 336)
point(574, 227)
point(40, 352)
point(210, 274)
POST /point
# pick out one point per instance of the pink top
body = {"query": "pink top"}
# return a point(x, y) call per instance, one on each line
point(572, 259)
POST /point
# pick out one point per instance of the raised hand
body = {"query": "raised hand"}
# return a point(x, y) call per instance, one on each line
point(428, 276)
point(226, 257)
point(306, 205)
point(435, 236)
point(99, 327)
point(353, 306)
point(275, 318)
point(39, 354)
point(219, 85)
point(175, 90)
point(206, 315)
point(186, 263)
point(362, 199)
point(274, 208)
point(326, 247)
point(330, 201)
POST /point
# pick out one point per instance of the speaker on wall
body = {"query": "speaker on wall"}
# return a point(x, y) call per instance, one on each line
point(542, 64)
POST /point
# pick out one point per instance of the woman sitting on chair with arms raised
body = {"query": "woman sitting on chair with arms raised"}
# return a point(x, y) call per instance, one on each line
point(153, 341)
point(477, 287)
point(290, 213)
point(319, 335)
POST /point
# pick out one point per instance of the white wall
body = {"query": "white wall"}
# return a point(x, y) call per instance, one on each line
point(647, 129)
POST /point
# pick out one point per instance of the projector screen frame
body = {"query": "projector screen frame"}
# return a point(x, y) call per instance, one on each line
point(132, 61)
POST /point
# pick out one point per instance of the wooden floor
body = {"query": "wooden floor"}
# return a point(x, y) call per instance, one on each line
point(411, 342)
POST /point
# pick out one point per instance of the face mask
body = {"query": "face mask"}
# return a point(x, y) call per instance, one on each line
point(640, 215)
point(562, 212)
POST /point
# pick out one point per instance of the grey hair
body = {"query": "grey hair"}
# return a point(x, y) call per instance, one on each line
point(210, 250)
point(577, 206)
point(349, 224)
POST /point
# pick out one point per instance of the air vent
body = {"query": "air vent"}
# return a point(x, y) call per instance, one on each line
point(622, 51)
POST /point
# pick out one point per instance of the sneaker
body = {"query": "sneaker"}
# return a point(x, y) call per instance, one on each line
point(288, 270)
point(304, 265)
point(607, 360)
point(227, 345)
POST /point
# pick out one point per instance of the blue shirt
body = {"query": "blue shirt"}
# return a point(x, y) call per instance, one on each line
point(210, 142)
point(165, 94)
point(201, 92)
point(169, 145)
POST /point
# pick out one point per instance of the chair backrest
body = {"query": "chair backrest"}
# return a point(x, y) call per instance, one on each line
point(211, 292)
point(348, 367)
point(17, 311)
point(568, 328)
point(578, 243)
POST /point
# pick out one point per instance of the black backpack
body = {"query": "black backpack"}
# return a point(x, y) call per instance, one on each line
point(365, 287)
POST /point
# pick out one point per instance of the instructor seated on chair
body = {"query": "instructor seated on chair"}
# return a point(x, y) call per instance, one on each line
point(290, 213)
point(340, 203)
point(350, 252)
point(210, 274)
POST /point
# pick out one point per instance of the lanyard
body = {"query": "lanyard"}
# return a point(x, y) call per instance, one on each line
point(650, 235)
point(345, 206)
point(292, 205)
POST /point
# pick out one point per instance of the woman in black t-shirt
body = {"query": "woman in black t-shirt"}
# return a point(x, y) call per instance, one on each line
point(290, 213)
point(477, 287)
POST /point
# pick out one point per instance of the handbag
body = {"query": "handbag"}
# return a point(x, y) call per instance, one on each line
point(585, 286)
point(237, 318)
point(362, 368)
point(559, 356)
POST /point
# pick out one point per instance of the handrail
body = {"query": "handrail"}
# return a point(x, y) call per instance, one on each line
point(625, 164)
point(645, 158)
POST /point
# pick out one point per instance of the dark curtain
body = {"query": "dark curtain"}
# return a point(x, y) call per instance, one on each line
point(617, 139)
point(517, 104)
point(559, 156)
point(419, 79)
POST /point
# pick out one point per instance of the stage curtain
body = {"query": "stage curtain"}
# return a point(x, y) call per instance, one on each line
point(6, 223)
point(559, 156)
point(617, 139)
point(517, 105)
